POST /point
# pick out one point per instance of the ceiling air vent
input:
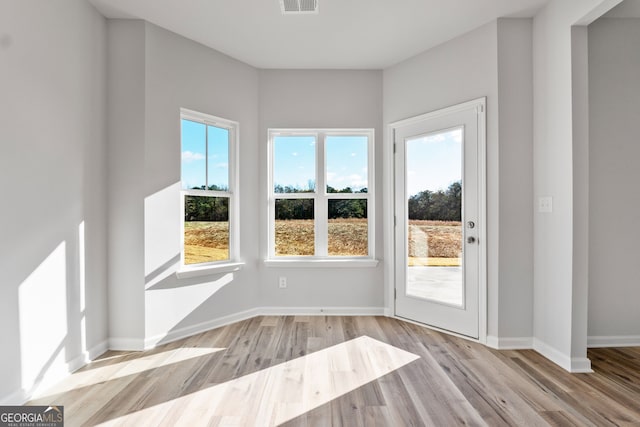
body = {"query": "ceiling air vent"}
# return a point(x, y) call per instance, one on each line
point(297, 7)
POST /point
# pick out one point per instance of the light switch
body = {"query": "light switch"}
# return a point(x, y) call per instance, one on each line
point(545, 204)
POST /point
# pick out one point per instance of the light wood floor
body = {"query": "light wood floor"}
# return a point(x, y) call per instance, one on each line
point(345, 371)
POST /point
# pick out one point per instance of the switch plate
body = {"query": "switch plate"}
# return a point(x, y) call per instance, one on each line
point(282, 282)
point(545, 204)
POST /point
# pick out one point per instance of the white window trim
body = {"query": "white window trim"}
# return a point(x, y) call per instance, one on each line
point(233, 263)
point(321, 197)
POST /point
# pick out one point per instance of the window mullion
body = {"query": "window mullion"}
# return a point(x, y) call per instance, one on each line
point(206, 156)
point(321, 203)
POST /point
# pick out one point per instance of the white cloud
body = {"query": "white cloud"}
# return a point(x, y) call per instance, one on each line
point(457, 135)
point(294, 154)
point(454, 135)
point(222, 165)
point(353, 154)
point(342, 181)
point(189, 156)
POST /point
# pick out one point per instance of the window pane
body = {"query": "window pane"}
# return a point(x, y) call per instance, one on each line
point(294, 164)
point(434, 187)
point(194, 155)
point(348, 227)
point(295, 227)
point(347, 162)
point(218, 161)
point(206, 229)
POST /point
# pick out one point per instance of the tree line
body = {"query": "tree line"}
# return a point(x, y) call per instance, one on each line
point(303, 208)
point(441, 205)
point(437, 205)
point(203, 208)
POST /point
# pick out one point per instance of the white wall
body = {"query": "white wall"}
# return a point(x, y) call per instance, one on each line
point(154, 73)
point(55, 118)
point(560, 302)
point(614, 208)
point(53, 184)
point(126, 133)
point(515, 111)
point(490, 61)
point(321, 99)
point(182, 73)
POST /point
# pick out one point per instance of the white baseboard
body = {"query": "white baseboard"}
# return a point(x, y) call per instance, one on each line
point(260, 311)
point(613, 341)
point(54, 376)
point(20, 397)
point(321, 311)
point(510, 343)
point(126, 344)
point(188, 331)
point(87, 356)
point(570, 364)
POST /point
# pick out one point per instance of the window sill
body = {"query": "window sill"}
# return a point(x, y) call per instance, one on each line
point(208, 270)
point(321, 263)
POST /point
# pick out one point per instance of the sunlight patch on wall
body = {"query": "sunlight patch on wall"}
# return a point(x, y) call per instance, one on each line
point(43, 320)
point(275, 395)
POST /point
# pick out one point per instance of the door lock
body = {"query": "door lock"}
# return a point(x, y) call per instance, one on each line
point(471, 224)
point(471, 239)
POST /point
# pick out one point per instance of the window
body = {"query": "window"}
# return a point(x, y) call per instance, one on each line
point(321, 194)
point(209, 202)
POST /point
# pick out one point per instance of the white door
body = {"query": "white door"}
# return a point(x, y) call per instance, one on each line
point(439, 218)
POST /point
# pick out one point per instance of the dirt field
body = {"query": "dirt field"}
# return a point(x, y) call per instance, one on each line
point(430, 242)
point(435, 243)
point(206, 241)
point(347, 237)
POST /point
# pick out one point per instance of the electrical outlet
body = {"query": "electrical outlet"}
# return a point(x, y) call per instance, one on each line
point(282, 282)
point(545, 204)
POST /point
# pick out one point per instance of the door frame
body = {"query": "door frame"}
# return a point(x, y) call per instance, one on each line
point(389, 214)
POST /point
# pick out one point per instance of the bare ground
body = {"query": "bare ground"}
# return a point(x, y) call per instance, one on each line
point(430, 242)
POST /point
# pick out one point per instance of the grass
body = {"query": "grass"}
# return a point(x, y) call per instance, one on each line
point(432, 243)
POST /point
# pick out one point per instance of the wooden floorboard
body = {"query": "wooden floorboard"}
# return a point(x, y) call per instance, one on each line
point(345, 371)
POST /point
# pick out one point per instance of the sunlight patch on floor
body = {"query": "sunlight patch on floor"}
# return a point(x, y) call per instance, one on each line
point(91, 375)
point(280, 393)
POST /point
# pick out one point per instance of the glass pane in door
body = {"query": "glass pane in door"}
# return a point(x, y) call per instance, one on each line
point(434, 210)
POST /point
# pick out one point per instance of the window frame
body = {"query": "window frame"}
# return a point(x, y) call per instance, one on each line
point(233, 263)
point(321, 200)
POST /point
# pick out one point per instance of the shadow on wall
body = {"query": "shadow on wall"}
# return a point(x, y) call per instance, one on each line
point(174, 305)
point(44, 316)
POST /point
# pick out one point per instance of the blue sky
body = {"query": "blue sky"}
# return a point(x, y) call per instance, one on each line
point(434, 162)
point(346, 161)
point(294, 161)
point(194, 155)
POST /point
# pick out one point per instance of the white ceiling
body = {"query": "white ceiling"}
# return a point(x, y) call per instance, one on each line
point(345, 34)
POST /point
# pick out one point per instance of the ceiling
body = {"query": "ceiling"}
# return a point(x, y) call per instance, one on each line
point(345, 34)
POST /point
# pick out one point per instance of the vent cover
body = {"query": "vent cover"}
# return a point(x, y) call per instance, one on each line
point(297, 7)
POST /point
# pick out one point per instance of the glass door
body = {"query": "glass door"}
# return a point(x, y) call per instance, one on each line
point(437, 220)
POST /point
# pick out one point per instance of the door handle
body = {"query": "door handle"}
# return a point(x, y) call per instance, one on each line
point(471, 239)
